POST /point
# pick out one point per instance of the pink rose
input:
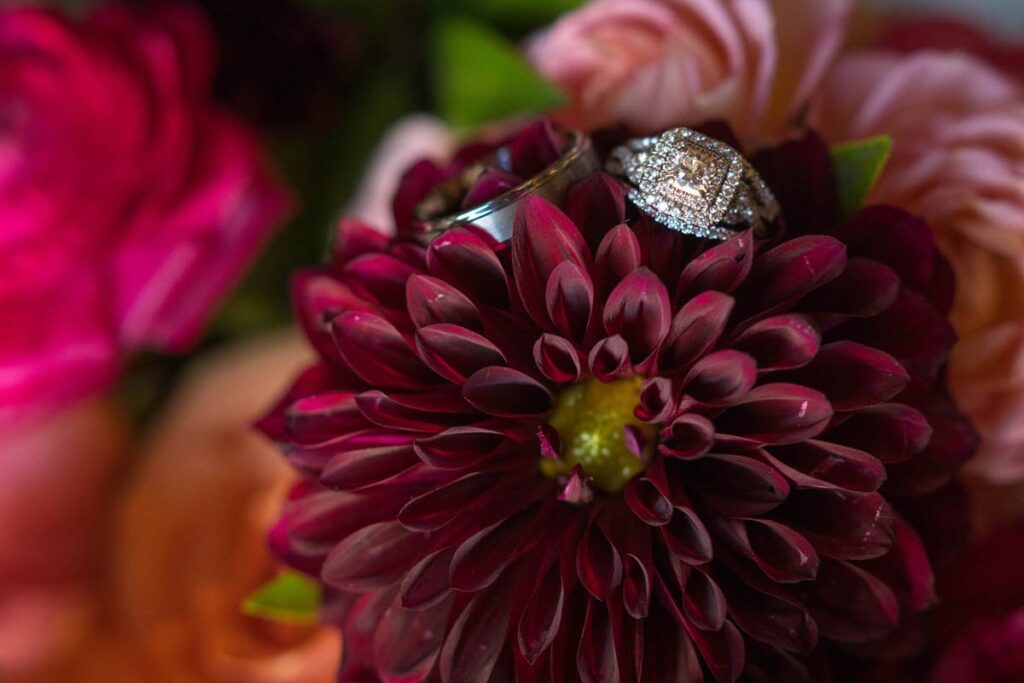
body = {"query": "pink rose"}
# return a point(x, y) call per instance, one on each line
point(129, 202)
point(958, 160)
point(654, 64)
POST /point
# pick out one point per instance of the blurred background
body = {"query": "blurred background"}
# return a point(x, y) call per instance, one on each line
point(132, 518)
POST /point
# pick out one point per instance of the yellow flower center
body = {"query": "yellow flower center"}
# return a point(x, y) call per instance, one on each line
point(591, 417)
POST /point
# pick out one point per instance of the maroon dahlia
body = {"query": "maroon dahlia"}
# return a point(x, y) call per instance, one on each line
point(606, 451)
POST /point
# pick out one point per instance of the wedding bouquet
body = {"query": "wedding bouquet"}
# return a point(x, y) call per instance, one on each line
point(688, 345)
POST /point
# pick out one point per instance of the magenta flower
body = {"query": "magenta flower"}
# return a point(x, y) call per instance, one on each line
point(608, 452)
point(129, 202)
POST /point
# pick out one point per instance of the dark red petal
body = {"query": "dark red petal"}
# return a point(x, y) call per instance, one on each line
point(598, 563)
point(569, 297)
point(596, 657)
point(777, 413)
point(840, 524)
point(353, 238)
point(687, 538)
point(557, 359)
point(504, 392)
point(781, 342)
point(407, 642)
point(638, 310)
point(455, 352)
point(782, 554)
point(820, 464)
point(689, 436)
point(543, 237)
point(459, 447)
point(480, 560)
point(595, 204)
point(609, 359)
point(793, 269)
point(476, 638)
point(617, 256)
point(317, 298)
point(427, 583)
point(373, 557)
point(853, 376)
point(492, 183)
point(636, 587)
point(850, 604)
point(380, 278)
point(378, 353)
point(656, 400)
point(357, 468)
point(902, 241)
point(736, 485)
point(952, 444)
point(703, 601)
point(647, 502)
point(442, 505)
point(694, 330)
point(891, 432)
point(722, 268)
point(721, 378)
point(790, 627)
point(542, 615)
point(320, 417)
point(907, 568)
point(431, 301)
point(865, 288)
point(463, 259)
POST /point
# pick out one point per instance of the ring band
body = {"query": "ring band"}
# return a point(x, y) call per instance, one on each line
point(694, 184)
point(497, 216)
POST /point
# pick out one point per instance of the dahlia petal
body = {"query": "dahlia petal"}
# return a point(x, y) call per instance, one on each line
point(790, 627)
point(686, 537)
point(557, 359)
point(598, 563)
point(695, 329)
point(849, 604)
point(656, 400)
point(535, 147)
point(596, 656)
point(636, 587)
point(782, 342)
point(688, 436)
point(786, 273)
point(455, 352)
point(550, 441)
point(820, 464)
point(664, 251)
point(782, 554)
point(617, 256)
point(736, 485)
point(609, 359)
point(373, 557)
point(380, 278)
point(767, 664)
point(316, 299)
point(647, 502)
point(722, 650)
point(481, 559)
point(430, 301)
point(407, 642)
point(703, 601)
point(542, 238)
point(312, 459)
point(907, 569)
point(459, 447)
point(596, 204)
point(322, 416)
point(492, 183)
point(427, 583)
point(891, 236)
point(865, 288)
point(777, 414)
point(358, 468)
point(569, 297)
point(852, 375)
point(440, 506)
point(504, 392)
point(638, 309)
point(432, 411)
point(542, 615)
point(463, 259)
point(891, 432)
point(841, 524)
point(669, 655)
point(721, 378)
point(722, 268)
point(800, 174)
point(353, 238)
point(378, 353)
point(577, 490)
point(953, 442)
point(476, 638)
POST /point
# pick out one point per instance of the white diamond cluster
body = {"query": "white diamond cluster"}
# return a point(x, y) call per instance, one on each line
point(694, 184)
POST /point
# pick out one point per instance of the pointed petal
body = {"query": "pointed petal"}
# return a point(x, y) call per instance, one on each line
point(598, 563)
point(557, 359)
point(722, 268)
point(595, 204)
point(783, 275)
point(455, 352)
point(852, 375)
point(695, 329)
point(373, 557)
point(431, 301)
point(609, 359)
point(780, 342)
point(504, 392)
point(463, 259)
point(777, 413)
point(476, 638)
point(596, 658)
point(569, 297)
point(638, 310)
point(617, 256)
point(721, 378)
point(378, 353)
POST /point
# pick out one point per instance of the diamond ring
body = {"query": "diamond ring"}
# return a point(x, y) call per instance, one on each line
point(694, 184)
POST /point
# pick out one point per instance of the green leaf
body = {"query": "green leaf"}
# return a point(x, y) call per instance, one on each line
point(481, 77)
point(290, 597)
point(857, 166)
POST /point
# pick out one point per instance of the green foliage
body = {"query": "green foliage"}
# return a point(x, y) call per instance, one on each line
point(290, 597)
point(857, 166)
point(480, 76)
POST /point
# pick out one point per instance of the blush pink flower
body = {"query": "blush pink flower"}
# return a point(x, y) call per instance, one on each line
point(958, 160)
point(129, 202)
point(653, 64)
